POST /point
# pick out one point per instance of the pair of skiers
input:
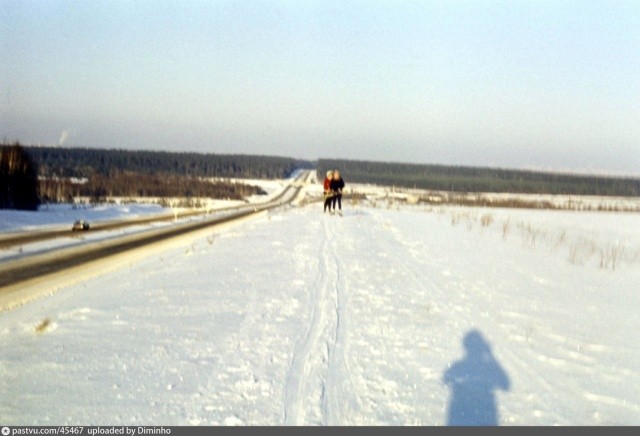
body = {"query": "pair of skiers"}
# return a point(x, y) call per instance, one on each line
point(333, 186)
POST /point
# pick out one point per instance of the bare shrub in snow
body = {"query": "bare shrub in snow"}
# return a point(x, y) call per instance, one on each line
point(506, 228)
point(43, 326)
point(486, 220)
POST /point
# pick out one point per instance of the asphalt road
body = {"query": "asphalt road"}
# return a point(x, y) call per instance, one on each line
point(18, 276)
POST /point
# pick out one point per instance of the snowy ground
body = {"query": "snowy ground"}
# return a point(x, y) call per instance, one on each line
point(390, 315)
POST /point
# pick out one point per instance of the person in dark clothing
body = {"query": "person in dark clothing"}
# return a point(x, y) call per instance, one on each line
point(336, 186)
point(328, 196)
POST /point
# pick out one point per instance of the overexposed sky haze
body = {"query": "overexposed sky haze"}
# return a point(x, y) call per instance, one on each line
point(517, 84)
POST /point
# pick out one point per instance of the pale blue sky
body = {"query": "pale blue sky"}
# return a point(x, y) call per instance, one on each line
point(518, 84)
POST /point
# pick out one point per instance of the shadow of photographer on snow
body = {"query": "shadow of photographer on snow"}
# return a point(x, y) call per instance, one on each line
point(473, 381)
point(333, 186)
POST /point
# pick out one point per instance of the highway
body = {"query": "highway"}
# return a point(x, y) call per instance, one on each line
point(17, 239)
point(17, 275)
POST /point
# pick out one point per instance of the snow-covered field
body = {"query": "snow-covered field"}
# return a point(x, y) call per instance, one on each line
point(389, 315)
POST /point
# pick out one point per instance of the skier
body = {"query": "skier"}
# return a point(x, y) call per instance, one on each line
point(327, 191)
point(336, 186)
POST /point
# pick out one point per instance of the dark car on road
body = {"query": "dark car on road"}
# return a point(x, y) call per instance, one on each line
point(80, 225)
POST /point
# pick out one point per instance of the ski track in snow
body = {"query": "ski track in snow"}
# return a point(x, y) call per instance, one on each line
point(303, 318)
point(319, 360)
point(307, 377)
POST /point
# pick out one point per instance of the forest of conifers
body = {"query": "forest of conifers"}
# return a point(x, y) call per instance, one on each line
point(84, 162)
point(129, 173)
point(476, 179)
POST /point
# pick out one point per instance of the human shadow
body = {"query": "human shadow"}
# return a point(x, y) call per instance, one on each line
point(473, 381)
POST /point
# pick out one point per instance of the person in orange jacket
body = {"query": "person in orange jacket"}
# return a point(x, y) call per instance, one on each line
point(328, 195)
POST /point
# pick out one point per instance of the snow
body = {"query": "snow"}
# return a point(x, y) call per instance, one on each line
point(63, 215)
point(389, 315)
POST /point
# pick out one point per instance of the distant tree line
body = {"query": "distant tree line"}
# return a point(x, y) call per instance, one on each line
point(29, 175)
point(128, 184)
point(86, 162)
point(476, 179)
point(68, 173)
point(18, 179)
